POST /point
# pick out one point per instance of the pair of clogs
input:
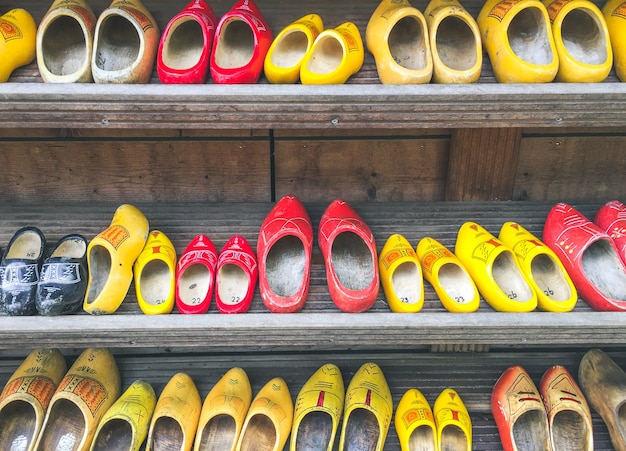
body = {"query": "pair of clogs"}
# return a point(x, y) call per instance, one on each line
point(594, 253)
point(443, 44)
point(450, 427)
point(119, 47)
point(30, 283)
point(304, 50)
point(555, 416)
point(17, 41)
point(402, 271)
point(535, 42)
point(515, 272)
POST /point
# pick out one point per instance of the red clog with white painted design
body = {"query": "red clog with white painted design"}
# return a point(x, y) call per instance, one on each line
point(236, 276)
point(590, 257)
point(195, 276)
point(611, 218)
point(349, 251)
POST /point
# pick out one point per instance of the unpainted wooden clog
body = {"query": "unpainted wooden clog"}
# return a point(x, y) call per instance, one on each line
point(415, 423)
point(401, 275)
point(18, 41)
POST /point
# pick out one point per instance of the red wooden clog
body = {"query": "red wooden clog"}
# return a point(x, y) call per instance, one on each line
point(589, 256)
point(242, 39)
point(284, 251)
point(349, 251)
point(195, 276)
point(611, 218)
point(185, 45)
point(236, 276)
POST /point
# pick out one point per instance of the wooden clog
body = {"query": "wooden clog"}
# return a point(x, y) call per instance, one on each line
point(415, 423)
point(195, 275)
point(454, 425)
point(611, 218)
point(18, 41)
point(615, 17)
point(236, 276)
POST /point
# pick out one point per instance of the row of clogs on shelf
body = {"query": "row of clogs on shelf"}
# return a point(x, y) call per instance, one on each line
point(526, 41)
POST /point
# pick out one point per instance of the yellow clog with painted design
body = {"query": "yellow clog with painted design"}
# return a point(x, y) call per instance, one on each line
point(155, 275)
point(110, 258)
point(176, 415)
point(414, 422)
point(494, 269)
point(401, 275)
point(18, 37)
point(582, 41)
point(455, 42)
point(335, 56)
point(318, 410)
point(450, 279)
point(368, 410)
point(519, 41)
point(33, 384)
point(124, 426)
point(284, 58)
point(88, 390)
point(543, 269)
point(454, 425)
point(614, 12)
point(268, 422)
point(397, 37)
point(224, 411)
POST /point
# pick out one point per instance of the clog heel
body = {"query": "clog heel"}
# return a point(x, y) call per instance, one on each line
point(450, 279)
point(615, 17)
point(519, 41)
point(414, 422)
point(397, 37)
point(455, 42)
point(454, 426)
point(110, 258)
point(543, 269)
point(18, 41)
point(26, 396)
point(494, 269)
point(335, 56)
point(582, 41)
point(401, 275)
point(65, 42)
point(285, 55)
point(318, 410)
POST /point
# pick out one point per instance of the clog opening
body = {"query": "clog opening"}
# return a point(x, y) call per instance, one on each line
point(583, 38)
point(352, 261)
point(549, 278)
point(407, 282)
point(284, 266)
point(423, 438)
point(99, 269)
point(569, 431)
point(232, 284)
point(183, 45)
point(528, 37)
point(452, 438)
point(290, 50)
point(235, 46)
point(194, 284)
point(65, 427)
point(260, 435)
point(118, 44)
point(219, 433)
point(604, 270)
point(167, 434)
point(70, 248)
point(156, 282)
point(509, 278)
point(456, 44)
point(18, 423)
point(530, 431)
point(63, 47)
point(115, 434)
point(27, 245)
point(314, 431)
point(456, 283)
point(362, 431)
point(327, 55)
point(407, 43)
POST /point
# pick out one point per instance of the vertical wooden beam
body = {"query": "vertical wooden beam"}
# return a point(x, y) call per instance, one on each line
point(482, 164)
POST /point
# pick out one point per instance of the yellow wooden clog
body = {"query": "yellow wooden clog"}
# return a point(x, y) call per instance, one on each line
point(18, 39)
point(397, 37)
point(414, 422)
point(368, 410)
point(445, 272)
point(224, 412)
point(124, 426)
point(543, 269)
point(289, 48)
point(110, 257)
point(401, 275)
point(494, 269)
point(268, 422)
point(581, 39)
point(455, 42)
point(614, 12)
point(519, 41)
point(88, 390)
point(32, 385)
point(155, 275)
point(176, 415)
point(335, 56)
point(454, 425)
point(318, 410)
